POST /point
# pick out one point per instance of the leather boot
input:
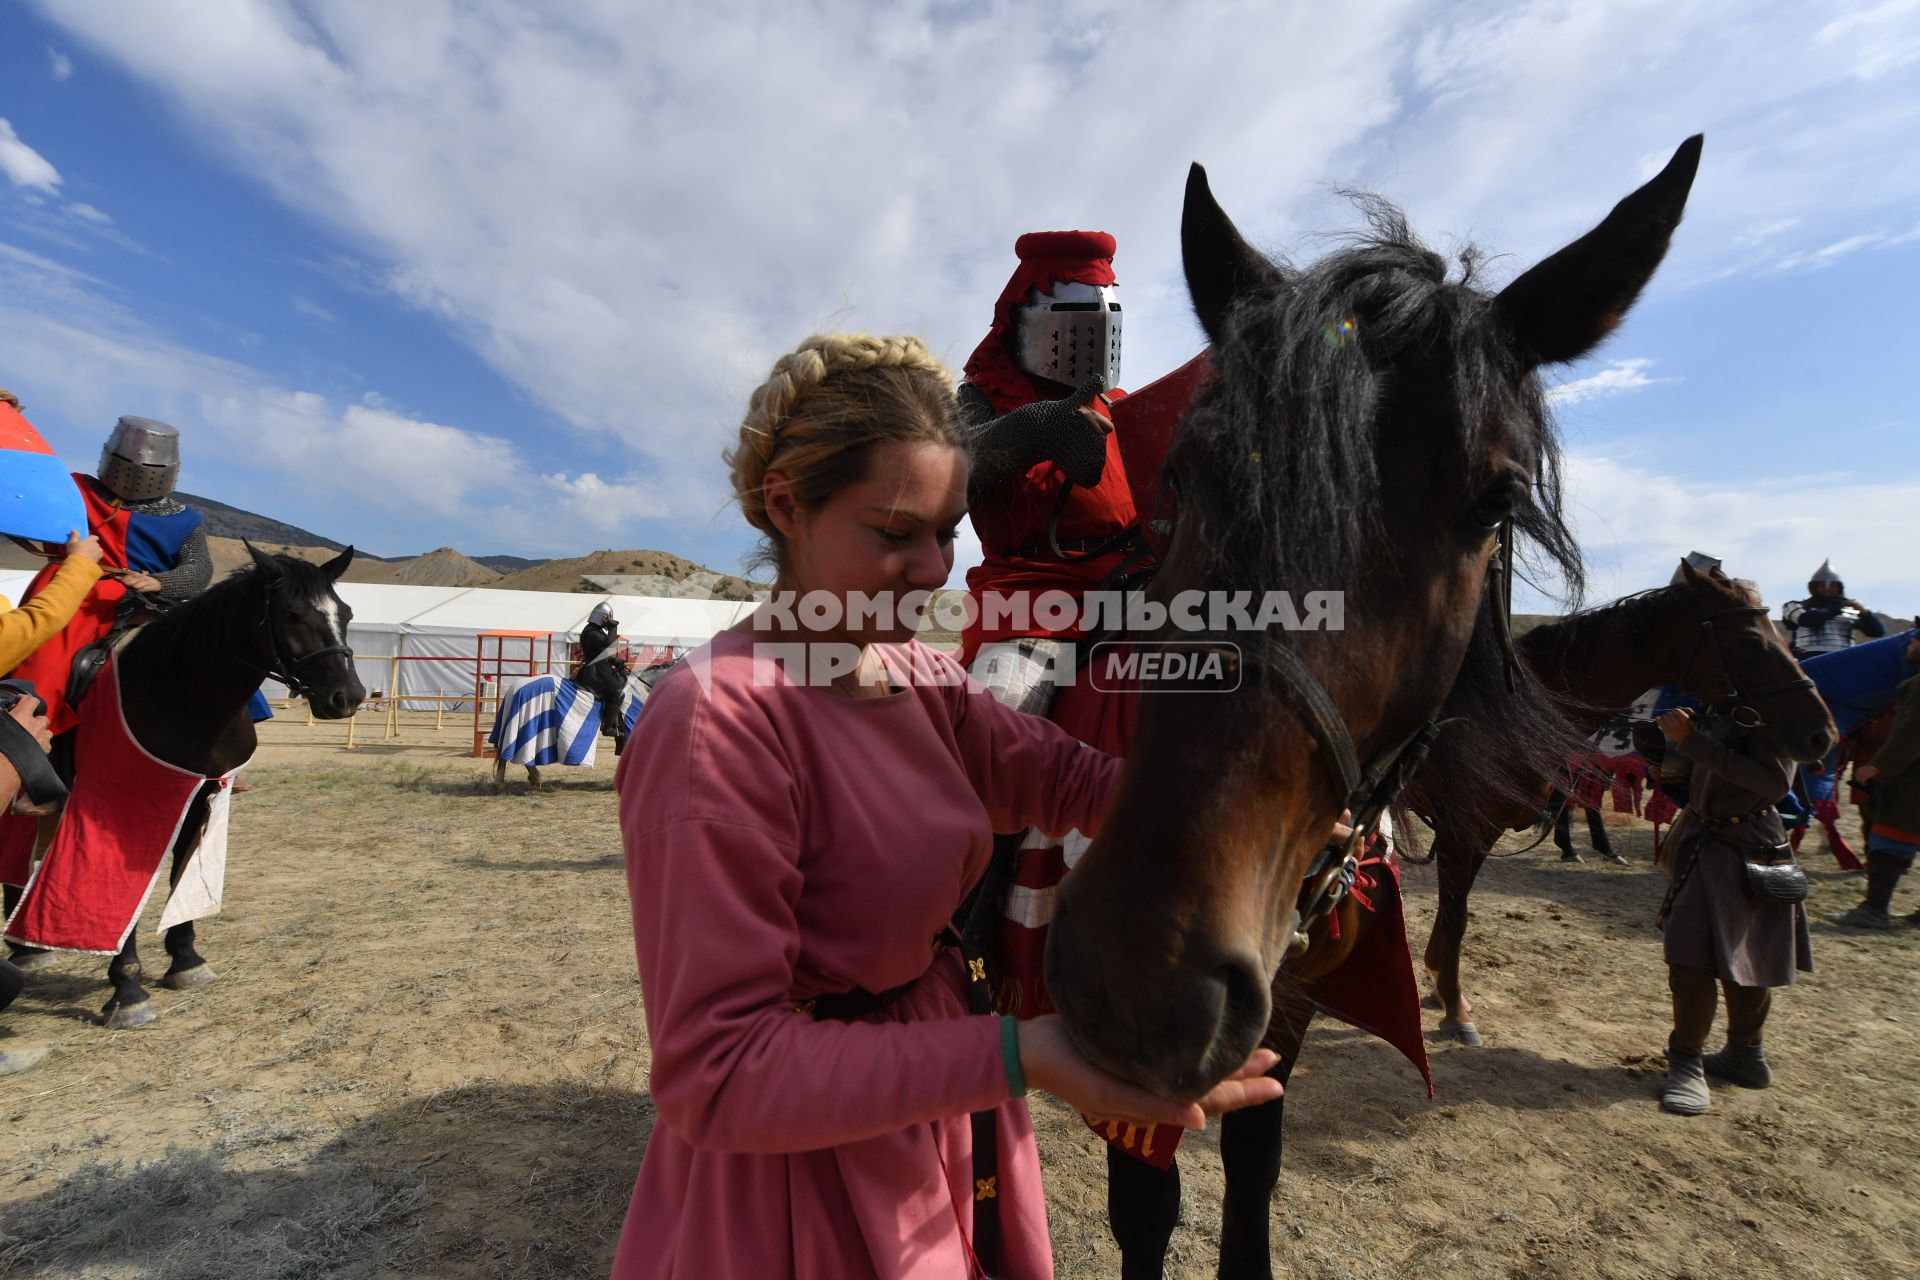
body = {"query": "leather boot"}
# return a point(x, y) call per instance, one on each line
point(1741, 1064)
point(1883, 873)
point(1685, 1092)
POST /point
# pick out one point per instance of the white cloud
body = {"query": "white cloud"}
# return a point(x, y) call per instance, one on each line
point(1636, 523)
point(1827, 255)
point(59, 65)
point(84, 360)
point(87, 213)
point(25, 167)
point(308, 307)
point(1885, 35)
point(1618, 376)
point(630, 210)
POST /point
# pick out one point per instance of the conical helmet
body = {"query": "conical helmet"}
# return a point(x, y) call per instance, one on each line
point(1824, 575)
point(1701, 562)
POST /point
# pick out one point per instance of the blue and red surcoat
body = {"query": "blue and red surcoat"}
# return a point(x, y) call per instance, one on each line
point(132, 540)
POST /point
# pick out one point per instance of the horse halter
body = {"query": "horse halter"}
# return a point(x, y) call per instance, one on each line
point(287, 666)
point(1738, 699)
point(1366, 791)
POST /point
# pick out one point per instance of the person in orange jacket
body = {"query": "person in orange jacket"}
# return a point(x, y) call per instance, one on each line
point(22, 631)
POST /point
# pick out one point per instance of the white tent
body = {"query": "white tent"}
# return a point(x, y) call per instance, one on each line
point(435, 632)
point(13, 582)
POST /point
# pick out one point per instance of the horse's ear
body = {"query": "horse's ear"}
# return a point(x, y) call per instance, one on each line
point(1220, 264)
point(262, 561)
point(1561, 307)
point(338, 565)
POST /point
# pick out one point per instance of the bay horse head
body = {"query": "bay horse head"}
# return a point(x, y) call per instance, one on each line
point(1737, 661)
point(1369, 427)
point(301, 636)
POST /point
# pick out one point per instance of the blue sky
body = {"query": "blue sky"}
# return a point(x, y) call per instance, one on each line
point(488, 275)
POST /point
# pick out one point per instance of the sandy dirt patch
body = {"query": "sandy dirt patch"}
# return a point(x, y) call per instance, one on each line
point(425, 1056)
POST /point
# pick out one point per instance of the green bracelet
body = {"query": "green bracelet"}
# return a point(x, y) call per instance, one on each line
point(1010, 1056)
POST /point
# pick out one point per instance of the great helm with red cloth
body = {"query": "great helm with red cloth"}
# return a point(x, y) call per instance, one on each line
point(141, 460)
point(1055, 324)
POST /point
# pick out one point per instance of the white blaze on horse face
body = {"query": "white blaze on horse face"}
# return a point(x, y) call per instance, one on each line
point(329, 608)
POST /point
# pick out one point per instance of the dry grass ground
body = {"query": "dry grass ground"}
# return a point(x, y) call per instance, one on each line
point(425, 1056)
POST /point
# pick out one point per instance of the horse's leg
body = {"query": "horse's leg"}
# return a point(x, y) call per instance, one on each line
point(499, 774)
point(1250, 1148)
point(23, 957)
point(1143, 1208)
point(533, 778)
point(130, 1006)
point(188, 968)
point(1459, 859)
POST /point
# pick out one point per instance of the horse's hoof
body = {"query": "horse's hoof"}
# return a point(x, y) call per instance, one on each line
point(128, 1016)
point(1459, 1033)
point(181, 979)
point(28, 961)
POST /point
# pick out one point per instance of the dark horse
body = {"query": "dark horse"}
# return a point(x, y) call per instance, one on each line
point(185, 679)
point(1370, 427)
point(1707, 634)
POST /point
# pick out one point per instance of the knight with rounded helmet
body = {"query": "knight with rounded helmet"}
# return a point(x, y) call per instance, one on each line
point(1827, 619)
point(603, 671)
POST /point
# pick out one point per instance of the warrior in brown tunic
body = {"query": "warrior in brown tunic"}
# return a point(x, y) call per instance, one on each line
point(1717, 932)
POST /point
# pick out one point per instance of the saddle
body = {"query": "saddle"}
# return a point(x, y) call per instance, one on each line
point(86, 669)
point(88, 661)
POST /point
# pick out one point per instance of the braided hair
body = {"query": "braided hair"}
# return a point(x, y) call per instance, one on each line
point(821, 411)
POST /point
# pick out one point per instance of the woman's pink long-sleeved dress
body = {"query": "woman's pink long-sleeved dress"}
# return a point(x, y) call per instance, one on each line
point(784, 842)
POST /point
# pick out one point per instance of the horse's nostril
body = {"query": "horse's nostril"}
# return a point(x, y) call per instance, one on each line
point(1247, 996)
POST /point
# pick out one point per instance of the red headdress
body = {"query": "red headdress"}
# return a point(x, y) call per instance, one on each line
point(1046, 259)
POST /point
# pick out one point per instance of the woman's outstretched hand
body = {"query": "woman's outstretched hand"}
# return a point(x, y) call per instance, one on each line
point(1051, 1061)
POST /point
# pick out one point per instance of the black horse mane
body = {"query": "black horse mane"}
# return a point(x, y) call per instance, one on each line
point(216, 623)
point(1637, 621)
point(1283, 440)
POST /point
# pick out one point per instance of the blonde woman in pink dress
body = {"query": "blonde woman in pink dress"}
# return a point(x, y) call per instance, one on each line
point(803, 806)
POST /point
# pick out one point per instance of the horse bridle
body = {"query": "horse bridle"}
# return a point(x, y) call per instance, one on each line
point(1739, 700)
point(1366, 790)
point(1369, 790)
point(286, 666)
